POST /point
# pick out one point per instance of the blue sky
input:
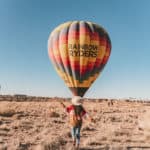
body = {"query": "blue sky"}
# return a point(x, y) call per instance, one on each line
point(25, 26)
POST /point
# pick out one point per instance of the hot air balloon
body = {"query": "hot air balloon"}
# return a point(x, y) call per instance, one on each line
point(79, 50)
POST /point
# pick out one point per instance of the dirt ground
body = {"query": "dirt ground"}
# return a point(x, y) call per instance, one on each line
point(120, 125)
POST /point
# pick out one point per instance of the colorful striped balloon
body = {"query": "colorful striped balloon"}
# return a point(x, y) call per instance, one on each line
point(79, 51)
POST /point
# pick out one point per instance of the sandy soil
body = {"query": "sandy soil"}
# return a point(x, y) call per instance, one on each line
point(123, 125)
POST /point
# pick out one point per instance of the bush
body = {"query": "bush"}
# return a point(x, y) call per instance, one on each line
point(7, 112)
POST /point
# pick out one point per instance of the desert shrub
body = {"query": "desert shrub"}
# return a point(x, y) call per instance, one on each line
point(7, 112)
point(51, 145)
point(54, 114)
point(1, 122)
point(87, 128)
point(3, 147)
point(144, 124)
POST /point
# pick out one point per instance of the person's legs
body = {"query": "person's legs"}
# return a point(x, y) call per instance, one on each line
point(77, 132)
point(73, 133)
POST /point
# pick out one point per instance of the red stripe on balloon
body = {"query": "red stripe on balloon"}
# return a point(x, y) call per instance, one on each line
point(105, 60)
point(97, 62)
point(76, 34)
point(63, 38)
point(84, 30)
point(102, 41)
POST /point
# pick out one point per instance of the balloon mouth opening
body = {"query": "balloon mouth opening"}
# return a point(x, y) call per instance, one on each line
point(78, 91)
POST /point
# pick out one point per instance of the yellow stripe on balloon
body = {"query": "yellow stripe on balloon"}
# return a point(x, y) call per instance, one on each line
point(101, 52)
point(64, 51)
point(107, 53)
point(64, 55)
point(67, 78)
point(85, 83)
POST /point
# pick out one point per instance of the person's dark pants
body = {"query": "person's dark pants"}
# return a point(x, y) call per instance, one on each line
point(75, 132)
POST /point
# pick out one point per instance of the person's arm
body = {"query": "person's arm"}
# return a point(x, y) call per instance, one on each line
point(66, 108)
point(87, 116)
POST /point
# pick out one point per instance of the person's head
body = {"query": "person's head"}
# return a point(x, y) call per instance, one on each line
point(77, 100)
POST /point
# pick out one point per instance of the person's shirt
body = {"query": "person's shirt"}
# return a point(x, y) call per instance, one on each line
point(76, 113)
point(71, 109)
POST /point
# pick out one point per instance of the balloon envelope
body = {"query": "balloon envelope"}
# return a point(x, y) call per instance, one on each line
point(79, 51)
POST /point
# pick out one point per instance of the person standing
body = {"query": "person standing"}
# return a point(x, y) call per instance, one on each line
point(76, 113)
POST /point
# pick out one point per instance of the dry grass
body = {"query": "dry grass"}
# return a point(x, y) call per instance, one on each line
point(44, 126)
point(144, 124)
point(54, 114)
